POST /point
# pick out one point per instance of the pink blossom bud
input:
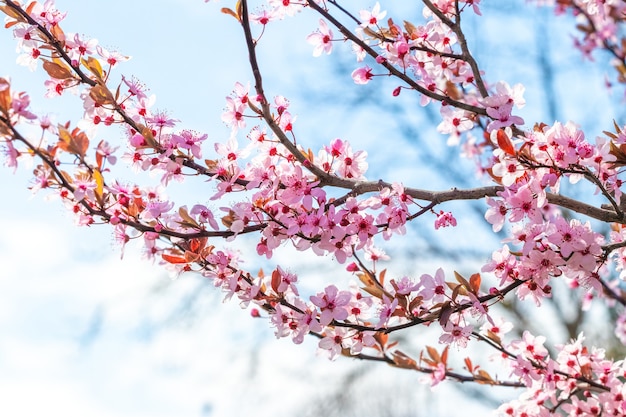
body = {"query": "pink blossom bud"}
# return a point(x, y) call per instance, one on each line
point(352, 267)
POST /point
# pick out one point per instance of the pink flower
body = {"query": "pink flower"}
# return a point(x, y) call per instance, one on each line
point(29, 58)
point(362, 75)
point(46, 14)
point(321, 39)
point(333, 341)
point(387, 309)
point(372, 18)
point(499, 327)
point(360, 340)
point(287, 281)
point(496, 213)
point(405, 285)
point(438, 374)
point(78, 47)
point(456, 334)
point(233, 115)
point(454, 123)
point(524, 369)
point(433, 288)
point(190, 141)
point(135, 87)
point(375, 254)
point(106, 151)
point(506, 168)
point(523, 203)
point(263, 17)
point(155, 209)
point(530, 346)
point(204, 215)
point(11, 155)
point(54, 87)
point(502, 117)
point(332, 303)
point(286, 7)
point(445, 219)
point(111, 57)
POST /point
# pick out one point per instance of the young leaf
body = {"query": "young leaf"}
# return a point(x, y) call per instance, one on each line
point(94, 66)
point(402, 360)
point(97, 176)
point(57, 70)
point(12, 14)
point(173, 259)
point(446, 312)
point(101, 95)
point(276, 280)
point(434, 355)
point(230, 12)
point(382, 339)
point(504, 142)
point(5, 96)
point(444, 355)
point(188, 221)
point(474, 282)
point(483, 377)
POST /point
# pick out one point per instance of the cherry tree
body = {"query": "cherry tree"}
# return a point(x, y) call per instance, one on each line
point(550, 191)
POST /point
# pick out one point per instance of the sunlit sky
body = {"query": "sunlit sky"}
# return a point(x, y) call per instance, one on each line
point(83, 332)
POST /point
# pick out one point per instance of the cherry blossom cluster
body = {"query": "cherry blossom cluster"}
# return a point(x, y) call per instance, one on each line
point(599, 23)
point(578, 381)
point(549, 245)
point(272, 187)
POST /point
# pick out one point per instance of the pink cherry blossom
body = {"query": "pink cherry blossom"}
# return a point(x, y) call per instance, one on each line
point(444, 219)
point(332, 304)
point(371, 18)
point(362, 75)
point(456, 334)
point(321, 39)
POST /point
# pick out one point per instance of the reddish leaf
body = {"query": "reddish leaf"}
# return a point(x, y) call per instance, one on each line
point(434, 355)
point(31, 6)
point(11, 13)
point(411, 30)
point(173, 259)
point(504, 142)
point(5, 95)
point(230, 12)
point(57, 70)
point(58, 33)
point(187, 220)
point(444, 355)
point(402, 360)
point(101, 95)
point(97, 176)
point(381, 276)
point(474, 282)
point(444, 315)
point(382, 339)
point(75, 142)
point(494, 337)
point(483, 377)
point(94, 66)
point(276, 280)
